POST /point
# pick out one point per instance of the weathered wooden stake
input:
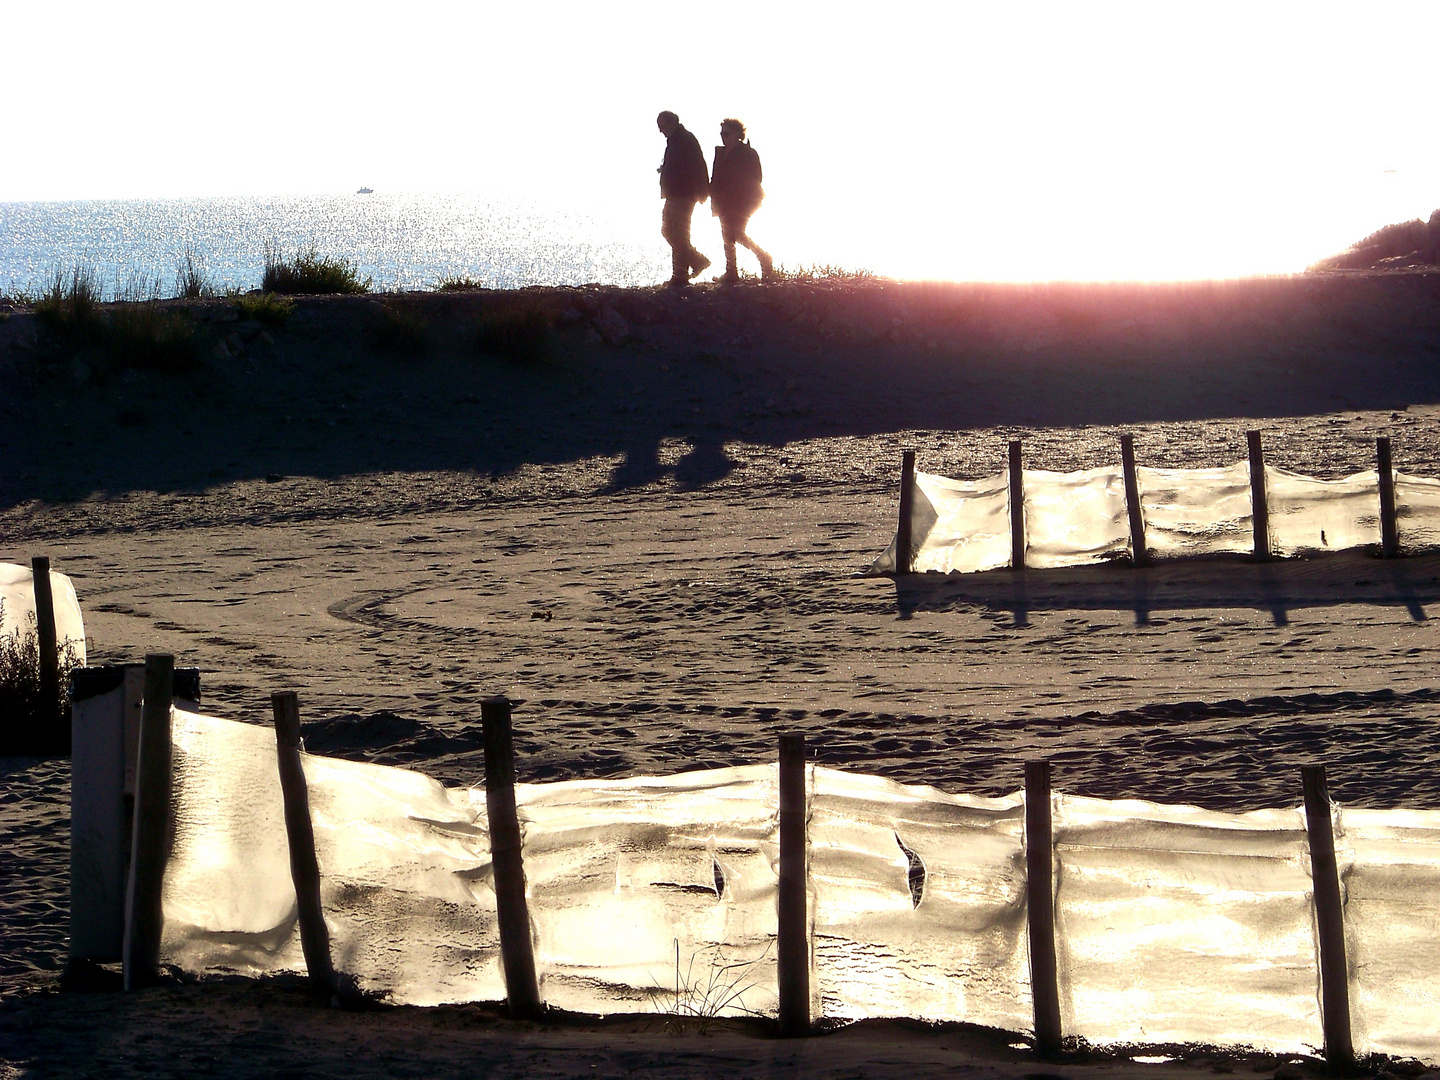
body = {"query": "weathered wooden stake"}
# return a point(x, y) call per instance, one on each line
point(49, 650)
point(904, 553)
point(1329, 921)
point(300, 833)
point(1040, 904)
point(1259, 505)
point(1389, 529)
point(150, 839)
point(1017, 508)
point(1138, 553)
point(517, 952)
point(793, 939)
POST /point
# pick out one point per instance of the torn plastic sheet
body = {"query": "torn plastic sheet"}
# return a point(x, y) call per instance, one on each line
point(1173, 924)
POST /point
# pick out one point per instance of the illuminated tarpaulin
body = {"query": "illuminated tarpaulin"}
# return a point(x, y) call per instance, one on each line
point(17, 608)
point(1075, 518)
point(1173, 924)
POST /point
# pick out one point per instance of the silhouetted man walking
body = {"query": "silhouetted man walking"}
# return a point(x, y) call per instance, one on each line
point(735, 195)
point(684, 182)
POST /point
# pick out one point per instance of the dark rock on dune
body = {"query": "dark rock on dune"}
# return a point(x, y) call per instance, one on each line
point(1403, 246)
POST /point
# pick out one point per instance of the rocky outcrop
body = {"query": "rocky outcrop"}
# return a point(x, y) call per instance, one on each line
point(1402, 246)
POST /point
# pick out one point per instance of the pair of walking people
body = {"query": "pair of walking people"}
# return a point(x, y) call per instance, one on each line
point(732, 186)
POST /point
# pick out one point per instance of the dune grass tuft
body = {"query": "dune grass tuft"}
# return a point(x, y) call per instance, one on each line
point(135, 333)
point(394, 330)
point(268, 308)
point(27, 725)
point(519, 334)
point(70, 304)
point(309, 272)
point(700, 998)
point(458, 283)
point(824, 272)
point(145, 335)
point(192, 279)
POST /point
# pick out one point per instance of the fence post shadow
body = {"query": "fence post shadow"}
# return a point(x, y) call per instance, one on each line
point(1019, 605)
point(1140, 593)
point(1405, 589)
point(1271, 593)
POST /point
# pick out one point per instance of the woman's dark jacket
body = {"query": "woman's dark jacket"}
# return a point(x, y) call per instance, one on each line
point(735, 182)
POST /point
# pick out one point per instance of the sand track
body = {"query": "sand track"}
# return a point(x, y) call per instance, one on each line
point(669, 584)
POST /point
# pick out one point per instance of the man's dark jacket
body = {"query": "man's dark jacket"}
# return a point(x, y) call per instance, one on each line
point(683, 174)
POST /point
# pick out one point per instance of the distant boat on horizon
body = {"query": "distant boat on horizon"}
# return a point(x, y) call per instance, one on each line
point(365, 191)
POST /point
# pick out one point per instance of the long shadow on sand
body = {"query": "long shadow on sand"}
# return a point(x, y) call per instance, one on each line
point(1349, 578)
point(759, 365)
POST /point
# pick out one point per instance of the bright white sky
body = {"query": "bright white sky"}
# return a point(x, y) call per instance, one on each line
point(1170, 138)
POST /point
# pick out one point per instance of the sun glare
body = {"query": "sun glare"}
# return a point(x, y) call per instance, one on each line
point(974, 141)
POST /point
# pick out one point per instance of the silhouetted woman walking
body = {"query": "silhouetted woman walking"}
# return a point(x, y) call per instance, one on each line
point(735, 194)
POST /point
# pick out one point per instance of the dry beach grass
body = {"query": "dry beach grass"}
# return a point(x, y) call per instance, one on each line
point(649, 530)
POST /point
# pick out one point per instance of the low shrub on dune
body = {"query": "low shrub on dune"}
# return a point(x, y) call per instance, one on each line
point(458, 283)
point(70, 304)
point(135, 333)
point(268, 308)
point(28, 723)
point(398, 331)
point(192, 279)
point(309, 272)
point(519, 334)
point(147, 336)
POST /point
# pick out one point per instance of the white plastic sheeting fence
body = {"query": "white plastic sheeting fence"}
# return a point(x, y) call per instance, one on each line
point(1080, 517)
point(1174, 924)
point(17, 607)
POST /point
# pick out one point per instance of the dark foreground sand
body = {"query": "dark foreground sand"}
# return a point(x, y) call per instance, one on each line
point(652, 539)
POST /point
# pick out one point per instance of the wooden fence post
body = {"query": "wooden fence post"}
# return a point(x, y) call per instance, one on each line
point(1329, 921)
point(517, 951)
point(300, 835)
point(1139, 555)
point(1259, 505)
point(793, 937)
point(904, 552)
point(150, 838)
point(49, 654)
point(1017, 508)
point(1040, 906)
point(1389, 529)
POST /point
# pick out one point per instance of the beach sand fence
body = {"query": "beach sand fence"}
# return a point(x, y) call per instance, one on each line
point(1035, 518)
point(798, 892)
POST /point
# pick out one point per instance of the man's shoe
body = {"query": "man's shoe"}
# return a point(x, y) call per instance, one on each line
point(677, 284)
point(767, 268)
point(698, 268)
point(730, 277)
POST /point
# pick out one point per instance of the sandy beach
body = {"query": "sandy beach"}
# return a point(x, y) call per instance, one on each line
point(654, 540)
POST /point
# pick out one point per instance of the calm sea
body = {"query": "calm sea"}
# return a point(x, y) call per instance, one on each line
point(402, 241)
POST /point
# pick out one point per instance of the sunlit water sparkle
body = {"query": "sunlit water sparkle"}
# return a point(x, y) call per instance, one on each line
point(401, 241)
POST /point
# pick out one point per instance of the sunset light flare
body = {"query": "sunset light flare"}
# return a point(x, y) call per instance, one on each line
point(1030, 141)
